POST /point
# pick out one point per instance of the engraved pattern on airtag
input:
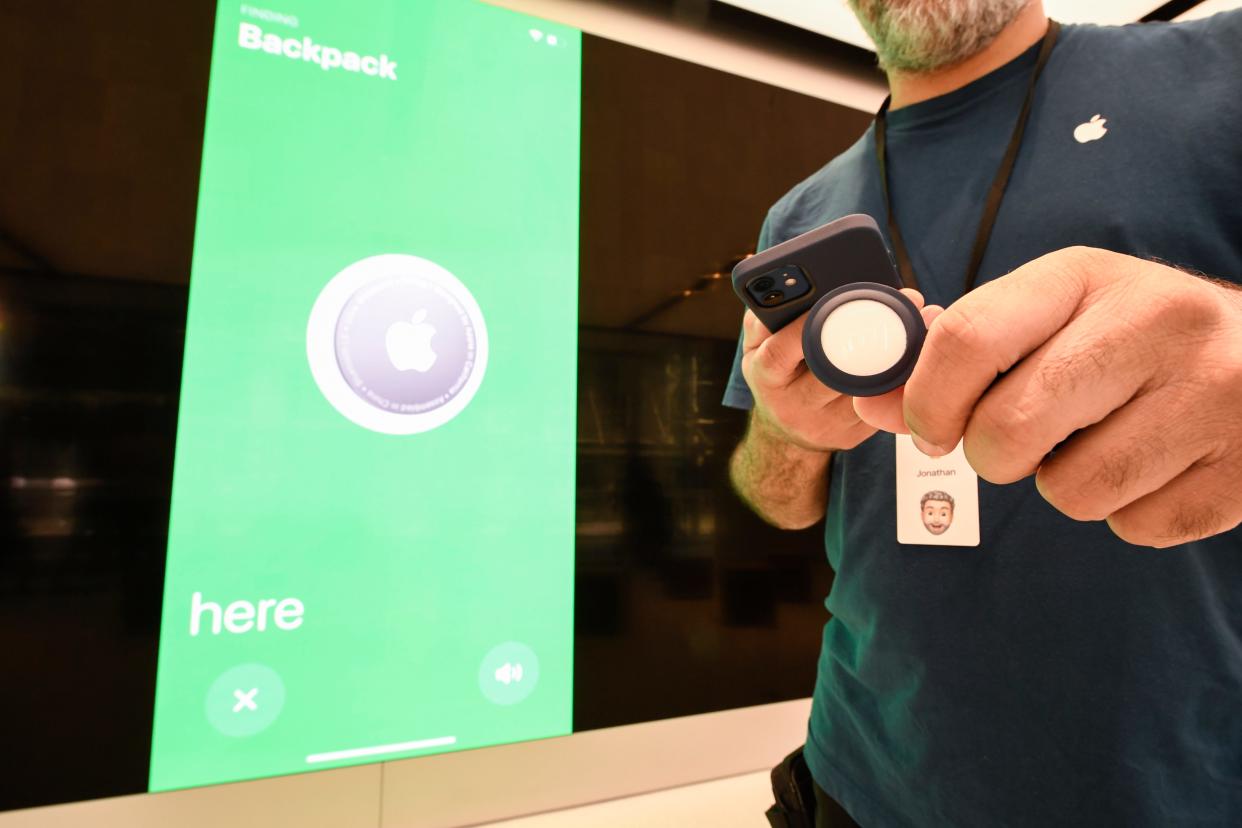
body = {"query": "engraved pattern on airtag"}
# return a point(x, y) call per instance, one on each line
point(863, 338)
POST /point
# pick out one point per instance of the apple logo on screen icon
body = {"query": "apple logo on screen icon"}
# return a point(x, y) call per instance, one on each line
point(397, 344)
point(409, 344)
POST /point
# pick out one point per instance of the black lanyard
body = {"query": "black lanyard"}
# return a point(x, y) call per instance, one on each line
point(995, 194)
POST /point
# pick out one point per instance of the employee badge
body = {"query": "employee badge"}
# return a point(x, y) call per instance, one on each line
point(937, 497)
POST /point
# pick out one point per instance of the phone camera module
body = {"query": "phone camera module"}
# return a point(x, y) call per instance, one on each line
point(777, 288)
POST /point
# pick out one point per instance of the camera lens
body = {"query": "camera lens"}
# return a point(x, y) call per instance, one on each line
point(773, 297)
point(762, 283)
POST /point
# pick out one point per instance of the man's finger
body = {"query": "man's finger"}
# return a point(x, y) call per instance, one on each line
point(1201, 501)
point(1104, 468)
point(983, 334)
point(753, 331)
point(885, 412)
point(777, 360)
point(915, 297)
point(810, 393)
point(1080, 376)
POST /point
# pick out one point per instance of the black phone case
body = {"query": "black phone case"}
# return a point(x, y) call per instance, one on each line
point(850, 249)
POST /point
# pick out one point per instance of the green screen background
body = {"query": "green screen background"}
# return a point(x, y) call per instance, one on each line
point(413, 555)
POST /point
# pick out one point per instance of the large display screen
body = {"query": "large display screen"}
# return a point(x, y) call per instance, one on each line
point(380, 365)
point(360, 380)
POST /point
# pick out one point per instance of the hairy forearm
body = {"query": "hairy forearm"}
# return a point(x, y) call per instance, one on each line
point(784, 484)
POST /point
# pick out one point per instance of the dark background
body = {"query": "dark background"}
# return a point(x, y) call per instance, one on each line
point(685, 602)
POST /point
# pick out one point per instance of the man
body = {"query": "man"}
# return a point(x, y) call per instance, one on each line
point(1062, 672)
point(936, 510)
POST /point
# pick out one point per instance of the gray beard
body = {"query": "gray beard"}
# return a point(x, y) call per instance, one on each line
point(923, 35)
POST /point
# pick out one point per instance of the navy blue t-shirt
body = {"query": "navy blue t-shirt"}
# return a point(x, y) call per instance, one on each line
point(1054, 675)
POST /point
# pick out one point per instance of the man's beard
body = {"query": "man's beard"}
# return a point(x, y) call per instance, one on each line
point(922, 35)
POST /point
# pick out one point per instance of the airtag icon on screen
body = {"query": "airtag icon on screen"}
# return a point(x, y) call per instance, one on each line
point(397, 344)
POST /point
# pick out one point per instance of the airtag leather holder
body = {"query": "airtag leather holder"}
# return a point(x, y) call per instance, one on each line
point(863, 385)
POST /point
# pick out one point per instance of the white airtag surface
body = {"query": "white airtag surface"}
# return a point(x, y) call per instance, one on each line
point(863, 337)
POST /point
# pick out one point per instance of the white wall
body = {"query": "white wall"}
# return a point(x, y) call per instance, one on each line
point(786, 65)
point(1210, 7)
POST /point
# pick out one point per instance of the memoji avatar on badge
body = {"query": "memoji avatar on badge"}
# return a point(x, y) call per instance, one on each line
point(936, 509)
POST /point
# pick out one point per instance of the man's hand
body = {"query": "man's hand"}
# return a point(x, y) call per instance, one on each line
point(789, 400)
point(1135, 366)
point(780, 467)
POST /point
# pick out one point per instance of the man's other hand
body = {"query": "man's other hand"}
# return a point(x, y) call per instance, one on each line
point(1131, 370)
point(789, 401)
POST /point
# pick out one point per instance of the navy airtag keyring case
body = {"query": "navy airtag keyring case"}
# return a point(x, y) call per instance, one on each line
point(862, 335)
point(863, 339)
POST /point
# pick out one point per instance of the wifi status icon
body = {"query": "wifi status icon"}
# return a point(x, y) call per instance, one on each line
point(538, 36)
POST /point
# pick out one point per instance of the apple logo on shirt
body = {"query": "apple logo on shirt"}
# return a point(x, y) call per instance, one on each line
point(1092, 130)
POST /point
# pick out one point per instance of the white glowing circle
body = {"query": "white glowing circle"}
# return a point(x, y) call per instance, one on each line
point(863, 337)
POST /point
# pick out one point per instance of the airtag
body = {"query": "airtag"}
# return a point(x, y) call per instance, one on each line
point(863, 339)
